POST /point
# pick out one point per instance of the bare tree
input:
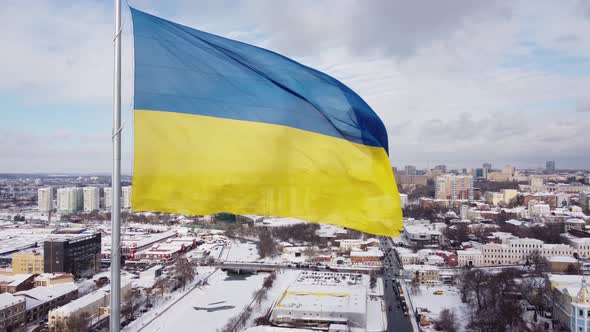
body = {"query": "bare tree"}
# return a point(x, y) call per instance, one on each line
point(79, 322)
point(129, 304)
point(185, 271)
point(267, 246)
point(539, 263)
point(446, 321)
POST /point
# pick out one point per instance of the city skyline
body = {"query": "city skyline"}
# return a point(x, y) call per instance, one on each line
point(472, 82)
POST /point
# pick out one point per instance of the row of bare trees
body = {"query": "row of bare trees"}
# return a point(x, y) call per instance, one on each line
point(239, 322)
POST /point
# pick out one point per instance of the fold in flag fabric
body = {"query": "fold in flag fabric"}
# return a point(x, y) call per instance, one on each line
point(223, 126)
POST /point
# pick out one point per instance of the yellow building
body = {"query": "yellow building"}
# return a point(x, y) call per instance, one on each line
point(27, 262)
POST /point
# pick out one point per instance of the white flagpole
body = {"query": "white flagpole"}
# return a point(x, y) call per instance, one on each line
point(115, 316)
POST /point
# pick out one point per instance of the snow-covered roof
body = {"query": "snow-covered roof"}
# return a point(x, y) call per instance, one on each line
point(469, 252)
point(368, 253)
point(7, 299)
point(39, 295)
point(562, 259)
point(414, 267)
point(14, 280)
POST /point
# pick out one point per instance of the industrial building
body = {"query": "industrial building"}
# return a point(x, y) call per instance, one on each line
point(79, 256)
point(328, 300)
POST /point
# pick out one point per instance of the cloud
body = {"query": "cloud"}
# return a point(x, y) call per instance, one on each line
point(457, 82)
point(583, 105)
point(389, 27)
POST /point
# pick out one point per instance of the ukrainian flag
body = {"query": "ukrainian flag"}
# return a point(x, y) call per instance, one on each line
point(223, 126)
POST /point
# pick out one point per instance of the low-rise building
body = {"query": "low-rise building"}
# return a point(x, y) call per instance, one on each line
point(95, 305)
point(40, 300)
point(421, 235)
point(369, 257)
point(27, 262)
point(324, 300)
point(15, 283)
point(422, 274)
point(470, 257)
point(12, 312)
point(574, 223)
point(561, 263)
point(51, 279)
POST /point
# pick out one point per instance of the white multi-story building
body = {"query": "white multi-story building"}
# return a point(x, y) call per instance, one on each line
point(537, 209)
point(91, 199)
point(517, 250)
point(70, 200)
point(403, 198)
point(454, 187)
point(45, 199)
point(107, 200)
point(127, 197)
point(470, 257)
point(581, 246)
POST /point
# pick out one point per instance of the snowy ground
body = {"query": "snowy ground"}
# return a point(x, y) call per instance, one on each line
point(242, 251)
point(160, 303)
point(451, 299)
point(208, 308)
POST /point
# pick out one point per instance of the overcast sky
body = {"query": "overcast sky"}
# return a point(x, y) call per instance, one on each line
point(455, 82)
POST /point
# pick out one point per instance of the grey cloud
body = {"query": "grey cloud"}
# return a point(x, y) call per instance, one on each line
point(583, 105)
point(569, 38)
point(390, 27)
point(468, 139)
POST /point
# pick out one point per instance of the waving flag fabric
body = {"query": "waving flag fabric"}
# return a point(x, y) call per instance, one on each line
point(223, 126)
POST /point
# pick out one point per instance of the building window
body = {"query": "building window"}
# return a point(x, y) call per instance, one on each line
point(581, 312)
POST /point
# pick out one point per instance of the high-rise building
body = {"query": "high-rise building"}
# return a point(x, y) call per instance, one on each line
point(79, 256)
point(45, 199)
point(91, 198)
point(410, 170)
point(108, 200)
point(550, 166)
point(70, 200)
point(127, 197)
point(441, 168)
point(454, 187)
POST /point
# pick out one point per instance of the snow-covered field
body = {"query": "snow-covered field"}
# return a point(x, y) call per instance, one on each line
point(451, 299)
point(242, 251)
point(162, 302)
point(208, 308)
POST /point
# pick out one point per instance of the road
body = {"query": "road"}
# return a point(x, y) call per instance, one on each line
point(396, 320)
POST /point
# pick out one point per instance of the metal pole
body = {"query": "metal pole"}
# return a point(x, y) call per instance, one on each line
point(115, 316)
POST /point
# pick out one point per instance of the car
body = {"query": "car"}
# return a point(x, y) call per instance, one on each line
point(438, 292)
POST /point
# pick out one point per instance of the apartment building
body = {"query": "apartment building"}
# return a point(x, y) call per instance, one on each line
point(27, 262)
point(45, 199)
point(454, 187)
